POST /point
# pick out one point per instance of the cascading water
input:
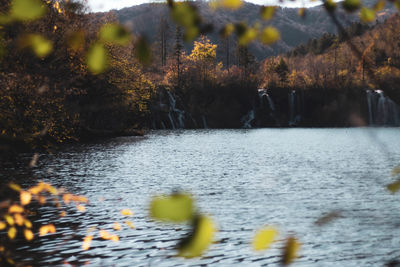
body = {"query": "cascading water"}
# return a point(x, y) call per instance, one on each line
point(203, 118)
point(247, 119)
point(382, 111)
point(294, 108)
point(176, 116)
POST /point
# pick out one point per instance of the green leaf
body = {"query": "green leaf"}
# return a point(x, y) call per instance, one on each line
point(142, 50)
point(27, 9)
point(174, 208)
point(40, 45)
point(115, 33)
point(351, 5)
point(199, 239)
point(184, 14)
point(97, 58)
point(397, 4)
point(269, 35)
point(267, 12)
point(367, 15)
point(290, 251)
point(394, 187)
point(264, 238)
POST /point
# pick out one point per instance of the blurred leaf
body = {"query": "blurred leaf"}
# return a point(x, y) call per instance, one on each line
point(115, 33)
point(394, 187)
point(174, 208)
point(290, 250)
point(267, 12)
point(379, 5)
point(76, 40)
point(39, 45)
point(4, 19)
point(142, 50)
point(97, 58)
point(45, 229)
point(184, 14)
point(330, 5)
point(86, 242)
point(228, 4)
point(9, 219)
point(27, 223)
point(27, 9)
point(130, 224)
point(81, 208)
point(25, 197)
point(397, 4)
point(28, 234)
point(3, 225)
point(396, 171)
point(15, 209)
point(367, 14)
point(12, 232)
point(247, 36)
point(302, 12)
point(269, 35)
point(191, 33)
point(198, 240)
point(126, 212)
point(19, 219)
point(351, 5)
point(114, 238)
point(227, 30)
point(264, 238)
point(15, 187)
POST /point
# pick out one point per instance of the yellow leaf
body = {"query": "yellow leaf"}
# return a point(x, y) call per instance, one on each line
point(25, 197)
point(40, 45)
point(63, 214)
point(12, 232)
point(367, 14)
point(126, 212)
point(290, 251)
point(115, 33)
point(269, 35)
point(9, 219)
point(230, 4)
point(397, 4)
point(379, 5)
point(302, 12)
point(49, 188)
point(394, 187)
point(117, 226)
point(247, 36)
point(267, 12)
point(19, 219)
point(86, 242)
point(15, 209)
point(264, 238)
point(28, 234)
point(174, 208)
point(27, 9)
point(130, 224)
point(27, 223)
point(199, 240)
point(15, 187)
point(97, 58)
point(227, 30)
point(45, 229)
point(42, 200)
point(330, 5)
point(3, 225)
point(36, 189)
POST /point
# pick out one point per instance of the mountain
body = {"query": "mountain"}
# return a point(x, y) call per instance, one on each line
point(146, 19)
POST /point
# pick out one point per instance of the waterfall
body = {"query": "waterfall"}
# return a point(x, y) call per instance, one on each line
point(176, 113)
point(262, 94)
point(203, 118)
point(382, 111)
point(247, 119)
point(295, 105)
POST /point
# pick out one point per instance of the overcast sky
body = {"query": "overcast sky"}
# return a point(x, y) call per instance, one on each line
point(105, 5)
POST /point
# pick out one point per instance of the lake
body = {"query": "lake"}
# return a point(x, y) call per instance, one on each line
point(243, 179)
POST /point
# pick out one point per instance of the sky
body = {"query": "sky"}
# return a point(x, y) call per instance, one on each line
point(105, 5)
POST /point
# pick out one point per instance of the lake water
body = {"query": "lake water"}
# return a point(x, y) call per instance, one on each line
point(244, 179)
